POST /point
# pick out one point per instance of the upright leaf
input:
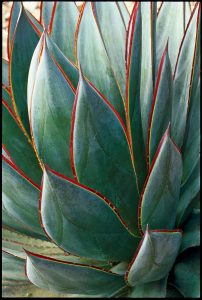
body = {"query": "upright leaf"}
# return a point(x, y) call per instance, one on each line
point(171, 23)
point(112, 28)
point(101, 152)
point(64, 201)
point(24, 42)
point(154, 257)
point(160, 195)
point(94, 59)
point(148, 63)
point(64, 16)
point(183, 78)
point(133, 106)
point(153, 289)
point(14, 14)
point(160, 114)
point(71, 278)
point(51, 108)
point(46, 12)
point(7, 97)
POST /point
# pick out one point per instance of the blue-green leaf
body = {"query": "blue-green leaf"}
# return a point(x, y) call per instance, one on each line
point(154, 257)
point(160, 195)
point(101, 152)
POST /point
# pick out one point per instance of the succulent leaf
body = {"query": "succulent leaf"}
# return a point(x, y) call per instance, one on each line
point(51, 108)
point(148, 62)
point(20, 199)
point(101, 152)
point(183, 77)
point(64, 16)
point(13, 268)
point(71, 278)
point(171, 23)
point(96, 234)
point(153, 289)
point(46, 12)
point(133, 106)
point(186, 273)
point(18, 146)
point(187, 194)
point(24, 42)
point(160, 114)
point(7, 97)
point(154, 257)
point(191, 231)
point(160, 195)
point(94, 59)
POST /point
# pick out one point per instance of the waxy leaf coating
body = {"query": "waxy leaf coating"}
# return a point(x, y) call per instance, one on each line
point(85, 223)
point(101, 152)
point(71, 278)
point(51, 109)
point(160, 196)
point(155, 256)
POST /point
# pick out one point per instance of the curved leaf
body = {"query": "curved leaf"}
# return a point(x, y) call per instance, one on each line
point(14, 14)
point(20, 199)
point(112, 28)
point(133, 106)
point(64, 16)
point(24, 42)
point(101, 153)
point(124, 13)
point(183, 78)
point(94, 60)
point(46, 12)
point(13, 267)
point(187, 194)
point(69, 69)
point(153, 289)
point(64, 202)
point(72, 278)
point(186, 273)
point(191, 147)
point(160, 114)
point(18, 146)
point(171, 22)
point(51, 108)
point(160, 196)
point(191, 231)
point(154, 257)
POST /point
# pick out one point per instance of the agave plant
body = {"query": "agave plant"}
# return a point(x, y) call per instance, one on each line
point(101, 149)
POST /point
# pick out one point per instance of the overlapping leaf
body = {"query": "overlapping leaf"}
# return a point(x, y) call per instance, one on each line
point(5, 73)
point(51, 108)
point(101, 153)
point(71, 278)
point(24, 42)
point(154, 257)
point(183, 78)
point(46, 12)
point(160, 114)
point(153, 289)
point(92, 52)
point(18, 146)
point(64, 16)
point(171, 23)
point(133, 105)
point(64, 201)
point(20, 199)
point(160, 196)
